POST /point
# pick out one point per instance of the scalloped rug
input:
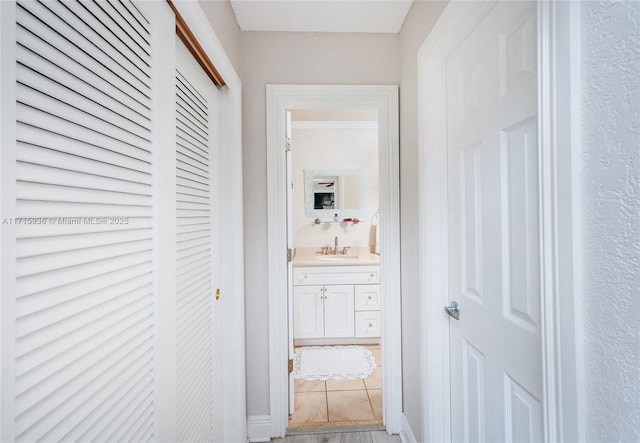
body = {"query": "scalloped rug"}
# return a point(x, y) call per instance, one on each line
point(332, 362)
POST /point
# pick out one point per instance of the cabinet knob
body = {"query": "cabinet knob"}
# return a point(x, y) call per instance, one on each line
point(371, 325)
point(369, 297)
point(373, 275)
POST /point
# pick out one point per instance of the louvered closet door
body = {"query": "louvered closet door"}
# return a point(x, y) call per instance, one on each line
point(84, 303)
point(196, 245)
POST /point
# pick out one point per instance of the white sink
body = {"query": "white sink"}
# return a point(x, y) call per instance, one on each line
point(337, 257)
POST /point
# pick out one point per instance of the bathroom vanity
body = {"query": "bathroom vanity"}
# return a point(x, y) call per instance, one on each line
point(336, 297)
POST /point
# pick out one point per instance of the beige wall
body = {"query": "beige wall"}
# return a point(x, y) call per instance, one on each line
point(289, 58)
point(419, 22)
point(329, 148)
point(224, 24)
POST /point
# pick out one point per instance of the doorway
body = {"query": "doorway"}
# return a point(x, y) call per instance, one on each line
point(335, 334)
point(382, 99)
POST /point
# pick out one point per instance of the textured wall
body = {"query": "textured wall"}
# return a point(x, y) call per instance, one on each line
point(611, 143)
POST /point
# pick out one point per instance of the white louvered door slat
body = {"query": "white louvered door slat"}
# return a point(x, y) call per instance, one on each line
point(195, 241)
point(84, 301)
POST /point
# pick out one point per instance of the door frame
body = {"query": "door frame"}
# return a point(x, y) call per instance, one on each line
point(385, 100)
point(559, 145)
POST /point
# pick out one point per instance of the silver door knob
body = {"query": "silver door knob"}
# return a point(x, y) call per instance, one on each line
point(453, 310)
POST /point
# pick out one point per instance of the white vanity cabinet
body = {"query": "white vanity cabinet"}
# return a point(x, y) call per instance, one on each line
point(323, 311)
point(336, 302)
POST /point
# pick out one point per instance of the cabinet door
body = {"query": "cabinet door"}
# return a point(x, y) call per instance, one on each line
point(308, 312)
point(338, 311)
point(367, 297)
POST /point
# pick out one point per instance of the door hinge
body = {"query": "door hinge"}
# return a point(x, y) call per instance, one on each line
point(290, 254)
point(287, 146)
point(290, 365)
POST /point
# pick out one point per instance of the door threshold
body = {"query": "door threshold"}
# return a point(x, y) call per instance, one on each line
point(335, 429)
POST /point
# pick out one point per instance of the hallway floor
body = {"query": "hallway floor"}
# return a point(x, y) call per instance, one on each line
point(339, 402)
point(342, 437)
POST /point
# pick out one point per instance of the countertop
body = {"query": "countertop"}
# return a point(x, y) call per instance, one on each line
point(358, 256)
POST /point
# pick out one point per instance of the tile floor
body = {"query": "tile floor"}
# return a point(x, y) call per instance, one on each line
point(339, 402)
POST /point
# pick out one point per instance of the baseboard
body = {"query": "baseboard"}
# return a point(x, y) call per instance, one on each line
point(406, 434)
point(259, 428)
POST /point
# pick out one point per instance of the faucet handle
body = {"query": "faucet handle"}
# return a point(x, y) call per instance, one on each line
point(344, 249)
point(325, 250)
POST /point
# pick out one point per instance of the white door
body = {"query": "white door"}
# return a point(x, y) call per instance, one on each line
point(494, 269)
point(338, 311)
point(198, 346)
point(77, 300)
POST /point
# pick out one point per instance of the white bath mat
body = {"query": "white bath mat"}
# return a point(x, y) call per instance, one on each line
point(332, 362)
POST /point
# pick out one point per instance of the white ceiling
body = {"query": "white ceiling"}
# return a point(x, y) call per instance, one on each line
point(385, 16)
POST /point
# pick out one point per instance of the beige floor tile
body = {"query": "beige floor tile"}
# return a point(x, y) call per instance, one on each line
point(375, 395)
point(345, 385)
point(310, 407)
point(349, 405)
point(301, 385)
point(374, 381)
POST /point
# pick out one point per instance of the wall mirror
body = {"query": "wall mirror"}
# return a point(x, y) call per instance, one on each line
point(335, 191)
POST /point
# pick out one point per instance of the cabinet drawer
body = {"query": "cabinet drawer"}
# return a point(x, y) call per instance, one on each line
point(336, 275)
point(367, 297)
point(368, 324)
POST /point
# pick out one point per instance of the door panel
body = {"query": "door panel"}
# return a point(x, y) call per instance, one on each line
point(78, 349)
point(473, 379)
point(523, 413)
point(198, 359)
point(520, 235)
point(496, 382)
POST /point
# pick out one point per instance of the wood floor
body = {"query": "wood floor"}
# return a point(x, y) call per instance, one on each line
point(342, 437)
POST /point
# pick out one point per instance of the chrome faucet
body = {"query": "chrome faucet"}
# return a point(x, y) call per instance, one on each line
point(335, 249)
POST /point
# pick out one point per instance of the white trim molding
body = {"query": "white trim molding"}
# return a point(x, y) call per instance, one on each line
point(326, 124)
point(559, 81)
point(8, 281)
point(406, 434)
point(258, 428)
point(559, 121)
point(385, 100)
